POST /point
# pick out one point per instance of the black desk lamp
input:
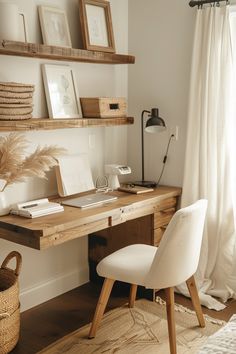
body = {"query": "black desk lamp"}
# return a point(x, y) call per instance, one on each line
point(154, 124)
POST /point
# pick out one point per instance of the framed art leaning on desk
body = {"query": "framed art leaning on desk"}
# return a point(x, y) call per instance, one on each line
point(73, 174)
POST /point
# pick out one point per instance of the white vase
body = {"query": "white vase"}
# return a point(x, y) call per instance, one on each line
point(10, 22)
point(4, 206)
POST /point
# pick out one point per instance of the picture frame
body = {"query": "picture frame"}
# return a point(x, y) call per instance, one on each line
point(96, 25)
point(54, 26)
point(61, 92)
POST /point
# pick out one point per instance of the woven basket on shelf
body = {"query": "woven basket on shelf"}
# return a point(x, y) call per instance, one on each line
point(12, 117)
point(15, 95)
point(6, 100)
point(16, 101)
point(9, 304)
point(14, 110)
point(16, 87)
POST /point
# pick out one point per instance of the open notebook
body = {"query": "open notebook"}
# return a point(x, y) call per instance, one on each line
point(89, 200)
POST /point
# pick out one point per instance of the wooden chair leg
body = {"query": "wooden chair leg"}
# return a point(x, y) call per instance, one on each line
point(101, 305)
point(170, 309)
point(132, 295)
point(195, 300)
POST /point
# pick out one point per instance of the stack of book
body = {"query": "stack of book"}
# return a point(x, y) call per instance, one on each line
point(131, 188)
point(36, 208)
point(16, 101)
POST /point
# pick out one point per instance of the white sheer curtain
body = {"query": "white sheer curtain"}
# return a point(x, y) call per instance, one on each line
point(210, 152)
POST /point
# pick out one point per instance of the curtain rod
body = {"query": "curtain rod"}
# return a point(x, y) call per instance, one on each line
point(193, 3)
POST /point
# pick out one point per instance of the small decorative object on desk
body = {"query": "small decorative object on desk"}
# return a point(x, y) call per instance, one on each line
point(16, 101)
point(4, 205)
point(16, 167)
point(9, 303)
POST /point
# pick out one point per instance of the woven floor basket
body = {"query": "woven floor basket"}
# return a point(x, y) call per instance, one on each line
point(9, 304)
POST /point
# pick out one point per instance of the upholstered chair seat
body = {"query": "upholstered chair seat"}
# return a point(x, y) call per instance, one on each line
point(130, 264)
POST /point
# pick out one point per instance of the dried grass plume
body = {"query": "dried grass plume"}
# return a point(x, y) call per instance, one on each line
point(16, 167)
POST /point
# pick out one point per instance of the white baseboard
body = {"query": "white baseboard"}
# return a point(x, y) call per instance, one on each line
point(51, 288)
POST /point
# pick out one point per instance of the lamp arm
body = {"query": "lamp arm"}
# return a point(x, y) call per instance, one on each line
point(165, 159)
point(142, 141)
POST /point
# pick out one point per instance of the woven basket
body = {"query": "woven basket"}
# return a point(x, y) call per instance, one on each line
point(14, 95)
point(16, 87)
point(9, 304)
point(12, 117)
point(16, 111)
point(5, 100)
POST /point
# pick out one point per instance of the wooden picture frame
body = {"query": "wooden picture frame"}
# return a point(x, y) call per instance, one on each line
point(96, 25)
point(54, 26)
point(61, 92)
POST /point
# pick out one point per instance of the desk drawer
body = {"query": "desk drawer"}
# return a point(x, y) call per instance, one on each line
point(162, 218)
point(158, 233)
point(166, 204)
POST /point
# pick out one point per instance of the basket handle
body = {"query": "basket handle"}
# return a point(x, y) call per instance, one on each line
point(4, 315)
point(18, 257)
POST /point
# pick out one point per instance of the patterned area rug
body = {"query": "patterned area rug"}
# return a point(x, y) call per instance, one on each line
point(141, 330)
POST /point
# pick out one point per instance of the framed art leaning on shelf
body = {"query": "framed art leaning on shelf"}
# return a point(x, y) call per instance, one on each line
point(54, 26)
point(61, 91)
point(96, 25)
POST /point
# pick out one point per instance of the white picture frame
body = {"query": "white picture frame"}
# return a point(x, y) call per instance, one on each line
point(61, 92)
point(54, 26)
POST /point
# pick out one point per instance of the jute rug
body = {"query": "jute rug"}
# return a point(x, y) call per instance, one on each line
point(141, 330)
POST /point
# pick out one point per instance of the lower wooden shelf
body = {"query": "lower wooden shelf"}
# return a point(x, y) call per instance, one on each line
point(51, 124)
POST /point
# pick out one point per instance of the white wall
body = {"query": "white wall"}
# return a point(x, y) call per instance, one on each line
point(160, 36)
point(46, 274)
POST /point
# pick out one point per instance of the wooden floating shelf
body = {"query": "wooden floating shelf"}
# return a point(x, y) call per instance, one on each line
point(34, 50)
point(51, 124)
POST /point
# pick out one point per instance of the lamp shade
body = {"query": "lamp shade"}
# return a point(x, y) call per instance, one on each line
point(155, 124)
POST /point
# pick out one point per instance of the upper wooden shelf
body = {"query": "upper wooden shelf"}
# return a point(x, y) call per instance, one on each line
point(35, 50)
point(51, 124)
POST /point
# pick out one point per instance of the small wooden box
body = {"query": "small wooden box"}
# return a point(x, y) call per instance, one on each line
point(103, 107)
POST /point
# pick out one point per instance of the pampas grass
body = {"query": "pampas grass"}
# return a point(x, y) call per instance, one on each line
point(16, 167)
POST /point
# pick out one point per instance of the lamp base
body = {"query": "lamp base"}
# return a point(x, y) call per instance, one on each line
point(147, 184)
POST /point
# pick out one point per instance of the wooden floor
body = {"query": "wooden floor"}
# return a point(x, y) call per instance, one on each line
point(52, 320)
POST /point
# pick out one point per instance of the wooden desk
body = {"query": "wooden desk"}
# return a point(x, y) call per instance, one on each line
point(52, 230)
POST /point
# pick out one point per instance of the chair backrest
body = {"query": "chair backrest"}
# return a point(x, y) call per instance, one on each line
point(177, 257)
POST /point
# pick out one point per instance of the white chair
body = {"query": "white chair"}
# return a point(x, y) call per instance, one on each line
point(172, 263)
